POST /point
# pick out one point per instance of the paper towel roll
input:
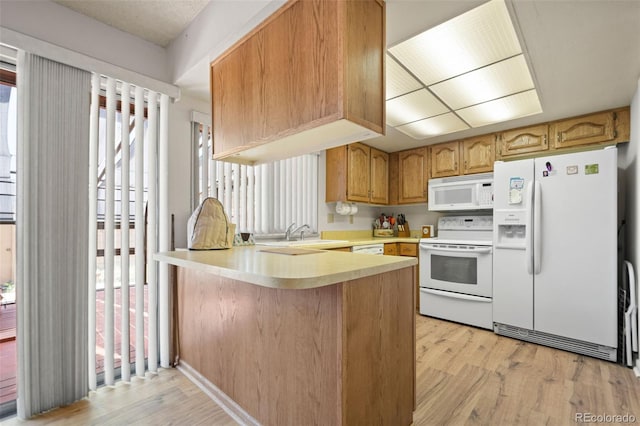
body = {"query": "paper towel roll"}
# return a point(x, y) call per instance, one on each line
point(342, 208)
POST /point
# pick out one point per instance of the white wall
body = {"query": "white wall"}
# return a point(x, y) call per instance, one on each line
point(214, 30)
point(60, 26)
point(629, 161)
point(180, 163)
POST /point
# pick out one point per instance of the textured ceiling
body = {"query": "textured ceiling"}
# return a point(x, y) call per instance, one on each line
point(157, 21)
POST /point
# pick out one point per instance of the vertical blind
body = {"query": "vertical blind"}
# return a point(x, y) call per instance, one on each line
point(112, 172)
point(261, 199)
point(52, 223)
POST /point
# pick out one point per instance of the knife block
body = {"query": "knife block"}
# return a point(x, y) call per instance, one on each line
point(405, 232)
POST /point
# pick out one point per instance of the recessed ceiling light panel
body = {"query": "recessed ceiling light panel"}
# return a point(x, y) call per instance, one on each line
point(413, 106)
point(399, 81)
point(440, 125)
point(480, 37)
point(503, 109)
point(494, 81)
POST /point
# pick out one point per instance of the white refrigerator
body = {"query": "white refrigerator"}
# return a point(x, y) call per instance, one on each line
point(555, 268)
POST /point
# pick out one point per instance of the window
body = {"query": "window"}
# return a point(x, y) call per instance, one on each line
point(262, 199)
point(8, 138)
point(8, 146)
point(120, 145)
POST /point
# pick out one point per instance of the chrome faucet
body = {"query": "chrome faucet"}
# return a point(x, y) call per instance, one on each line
point(288, 233)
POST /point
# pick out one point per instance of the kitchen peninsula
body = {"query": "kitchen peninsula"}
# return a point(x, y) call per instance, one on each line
point(299, 336)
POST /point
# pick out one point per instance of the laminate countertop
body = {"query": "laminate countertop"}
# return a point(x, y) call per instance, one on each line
point(308, 268)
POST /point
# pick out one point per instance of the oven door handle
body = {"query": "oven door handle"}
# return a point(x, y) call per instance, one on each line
point(455, 295)
point(458, 250)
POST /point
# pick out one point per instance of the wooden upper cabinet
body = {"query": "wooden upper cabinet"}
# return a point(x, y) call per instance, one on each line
point(478, 154)
point(307, 78)
point(413, 174)
point(394, 178)
point(357, 172)
point(379, 177)
point(445, 159)
point(588, 129)
point(523, 141)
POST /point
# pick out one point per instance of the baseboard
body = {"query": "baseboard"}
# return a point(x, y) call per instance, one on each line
point(222, 399)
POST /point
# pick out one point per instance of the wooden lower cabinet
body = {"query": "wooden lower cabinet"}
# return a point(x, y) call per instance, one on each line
point(391, 249)
point(410, 250)
point(342, 354)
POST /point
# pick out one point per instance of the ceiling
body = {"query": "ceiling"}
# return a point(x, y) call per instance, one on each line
point(157, 21)
point(584, 55)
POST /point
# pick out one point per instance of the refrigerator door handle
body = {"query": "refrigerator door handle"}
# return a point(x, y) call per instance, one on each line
point(537, 228)
point(528, 237)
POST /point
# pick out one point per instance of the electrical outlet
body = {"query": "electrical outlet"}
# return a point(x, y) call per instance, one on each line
point(330, 218)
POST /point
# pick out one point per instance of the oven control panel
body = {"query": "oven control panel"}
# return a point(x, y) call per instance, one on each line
point(460, 223)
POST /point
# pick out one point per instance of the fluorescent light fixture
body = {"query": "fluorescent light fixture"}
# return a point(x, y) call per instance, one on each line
point(503, 109)
point(413, 106)
point(399, 81)
point(482, 85)
point(480, 37)
point(440, 125)
point(468, 71)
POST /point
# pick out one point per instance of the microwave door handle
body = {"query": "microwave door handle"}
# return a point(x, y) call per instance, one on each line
point(528, 237)
point(457, 250)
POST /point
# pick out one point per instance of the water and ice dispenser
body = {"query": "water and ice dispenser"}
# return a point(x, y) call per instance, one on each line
point(512, 229)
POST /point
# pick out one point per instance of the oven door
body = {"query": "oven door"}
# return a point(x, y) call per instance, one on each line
point(460, 268)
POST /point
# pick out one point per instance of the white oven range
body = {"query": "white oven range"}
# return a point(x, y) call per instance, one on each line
point(456, 271)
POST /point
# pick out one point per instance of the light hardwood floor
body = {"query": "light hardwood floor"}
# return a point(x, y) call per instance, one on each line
point(465, 375)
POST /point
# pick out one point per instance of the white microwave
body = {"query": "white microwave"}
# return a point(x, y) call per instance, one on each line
point(469, 192)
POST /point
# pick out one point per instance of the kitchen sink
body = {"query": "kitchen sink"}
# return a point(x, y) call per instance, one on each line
point(298, 243)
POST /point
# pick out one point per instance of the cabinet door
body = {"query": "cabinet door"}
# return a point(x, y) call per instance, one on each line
point(391, 249)
point(413, 175)
point(478, 155)
point(522, 141)
point(445, 159)
point(592, 128)
point(379, 177)
point(408, 249)
point(358, 166)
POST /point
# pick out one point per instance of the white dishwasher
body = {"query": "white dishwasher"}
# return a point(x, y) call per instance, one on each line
point(377, 249)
